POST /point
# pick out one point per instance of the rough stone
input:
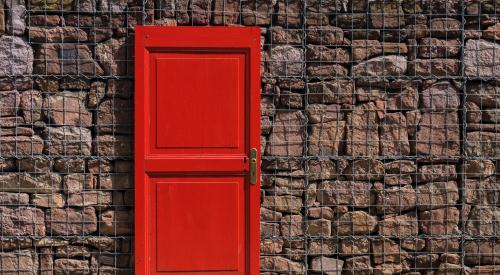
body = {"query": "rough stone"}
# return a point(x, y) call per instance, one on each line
point(22, 221)
point(113, 146)
point(285, 204)
point(437, 48)
point(47, 200)
point(51, 4)
point(16, 11)
point(437, 195)
point(365, 170)
point(394, 135)
point(328, 266)
point(22, 262)
point(65, 266)
point(9, 103)
point(257, 12)
point(438, 135)
point(62, 59)
point(395, 199)
point(481, 252)
point(115, 57)
point(358, 265)
point(445, 27)
point(325, 35)
point(286, 61)
point(319, 227)
point(226, 12)
point(481, 58)
point(26, 183)
point(90, 198)
point(482, 144)
point(16, 56)
point(67, 108)
point(483, 221)
point(354, 246)
point(387, 251)
point(434, 67)
point(281, 36)
point(325, 138)
point(319, 113)
point(325, 54)
point(484, 94)
point(355, 223)
point(482, 191)
point(399, 226)
point(337, 92)
point(67, 141)
point(13, 199)
point(280, 264)
point(315, 69)
point(441, 96)
point(69, 221)
point(362, 131)
point(31, 103)
point(287, 136)
point(115, 116)
point(351, 193)
point(442, 221)
point(391, 65)
point(322, 247)
point(56, 35)
point(322, 169)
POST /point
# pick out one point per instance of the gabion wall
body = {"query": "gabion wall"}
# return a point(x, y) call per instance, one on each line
point(380, 132)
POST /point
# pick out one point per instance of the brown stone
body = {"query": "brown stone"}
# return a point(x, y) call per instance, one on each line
point(280, 264)
point(437, 48)
point(413, 244)
point(325, 35)
point(69, 221)
point(365, 170)
point(399, 226)
point(67, 108)
point(9, 102)
point(60, 59)
point(482, 144)
point(113, 222)
point(326, 70)
point(434, 67)
point(22, 221)
point(47, 200)
point(320, 213)
point(492, 32)
point(57, 34)
point(286, 61)
point(337, 92)
point(281, 36)
point(115, 116)
point(115, 56)
point(26, 183)
point(352, 193)
point(67, 140)
point(481, 58)
point(364, 49)
point(320, 228)
point(286, 204)
point(271, 246)
point(20, 145)
point(90, 198)
point(394, 135)
point(386, 15)
point(322, 169)
point(354, 246)
point(387, 251)
point(442, 245)
point(358, 265)
point(355, 223)
point(122, 88)
point(483, 221)
point(391, 65)
point(22, 262)
point(325, 138)
point(362, 131)
point(437, 195)
point(484, 94)
point(325, 54)
point(319, 113)
point(482, 191)
point(292, 226)
point(257, 12)
point(65, 266)
point(289, 13)
point(438, 135)
point(72, 251)
point(327, 266)
point(441, 96)
point(31, 105)
point(445, 27)
point(13, 199)
point(481, 252)
point(395, 199)
point(442, 221)
point(322, 247)
point(226, 12)
point(113, 146)
point(287, 136)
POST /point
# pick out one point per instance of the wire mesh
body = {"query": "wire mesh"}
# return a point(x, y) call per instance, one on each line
point(379, 133)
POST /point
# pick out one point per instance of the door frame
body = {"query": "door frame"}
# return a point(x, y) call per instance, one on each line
point(148, 38)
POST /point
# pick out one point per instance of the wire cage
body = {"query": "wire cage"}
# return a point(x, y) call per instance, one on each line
point(380, 131)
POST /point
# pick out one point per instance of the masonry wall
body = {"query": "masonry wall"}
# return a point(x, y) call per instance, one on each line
point(380, 133)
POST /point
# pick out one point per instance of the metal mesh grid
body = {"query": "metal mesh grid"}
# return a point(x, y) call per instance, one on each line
point(379, 133)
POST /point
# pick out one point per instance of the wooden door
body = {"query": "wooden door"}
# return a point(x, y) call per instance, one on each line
point(197, 128)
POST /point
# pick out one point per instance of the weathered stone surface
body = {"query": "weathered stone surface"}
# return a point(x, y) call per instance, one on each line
point(325, 54)
point(394, 135)
point(337, 92)
point(22, 262)
point(438, 134)
point(355, 223)
point(483, 221)
point(441, 96)
point(322, 169)
point(319, 113)
point(322, 247)
point(325, 35)
point(292, 226)
point(481, 58)
point(286, 61)
point(16, 56)
point(20, 145)
point(62, 59)
point(362, 131)
point(319, 227)
point(9, 103)
point(115, 57)
point(65, 266)
point(386, 15)
point(352, 193)
point(76, 183)
point(67, 108)
point(67, 140)
point(354, 246)
point(436, 172)
point(387, 251)
point(51, 4)
point(445, 27)
point(26, 183)
point(358, 265)
point(90, 198)
point(399, 226)
point(31, 103)
point(13, 199)
point(395, 199)
point(484, 94)
point(391, 65)
point(442, 244)
point(113, 146)
point(47, 200)
point(271, 246)
point(22, 221)
point(364, 169)
point(437, 195)
point(437, 48)
point(57, 34)
point(482, 144)
point(281, 36)
point(280, 264)
point(115, 116)
point(69, 221)
point(225, 12)
point(325, 138)
point(482, 191)
point(315, 69)
point(481, 252)
point(257, 12)
point(328, 266)
point(16, 15)
point(434, 67)
point(442, 221)
point(287, 136)
point(286, 204)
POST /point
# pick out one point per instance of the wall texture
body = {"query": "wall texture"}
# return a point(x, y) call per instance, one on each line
point(380, 132)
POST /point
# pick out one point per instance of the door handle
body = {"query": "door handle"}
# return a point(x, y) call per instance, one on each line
point(253, 166)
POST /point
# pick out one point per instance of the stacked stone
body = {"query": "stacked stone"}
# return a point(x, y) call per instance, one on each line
point(379, 133)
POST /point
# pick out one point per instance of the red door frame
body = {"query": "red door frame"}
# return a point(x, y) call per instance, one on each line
point(149, 39)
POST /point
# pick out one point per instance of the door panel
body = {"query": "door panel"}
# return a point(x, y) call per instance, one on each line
point(197, 118)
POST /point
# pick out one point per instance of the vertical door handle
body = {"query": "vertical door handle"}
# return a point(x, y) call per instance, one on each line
point(253, 166)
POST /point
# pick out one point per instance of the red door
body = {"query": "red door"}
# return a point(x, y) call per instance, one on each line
point(197, 150)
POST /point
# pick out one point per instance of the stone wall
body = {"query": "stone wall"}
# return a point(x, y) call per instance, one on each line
point(379, 133)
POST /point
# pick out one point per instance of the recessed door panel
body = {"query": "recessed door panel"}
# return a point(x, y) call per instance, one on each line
point(197, 140)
